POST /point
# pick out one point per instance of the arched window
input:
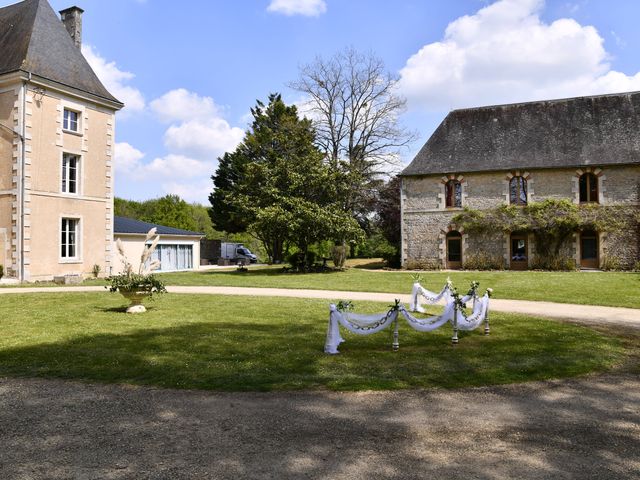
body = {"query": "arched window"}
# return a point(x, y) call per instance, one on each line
point(454, 250)
point(588, 188)
point(453, 193)
point(518, 191)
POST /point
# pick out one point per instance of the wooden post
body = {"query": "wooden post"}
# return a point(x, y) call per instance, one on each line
point(396, 344)
point(454, 339)
point(486, 323)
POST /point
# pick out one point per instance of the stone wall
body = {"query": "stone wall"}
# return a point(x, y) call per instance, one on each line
point(488, 247)
point(426, 221)
point(620, 249)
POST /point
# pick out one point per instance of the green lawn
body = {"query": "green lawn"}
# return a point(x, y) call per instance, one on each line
point(243, 344)
point(615, 289)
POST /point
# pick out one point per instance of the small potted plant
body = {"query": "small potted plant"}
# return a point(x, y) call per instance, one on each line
point(135, 287)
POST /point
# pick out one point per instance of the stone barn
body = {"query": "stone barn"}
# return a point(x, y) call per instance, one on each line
point(584, 149)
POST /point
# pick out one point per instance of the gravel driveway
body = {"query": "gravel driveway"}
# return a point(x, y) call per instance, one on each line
point(585, 428)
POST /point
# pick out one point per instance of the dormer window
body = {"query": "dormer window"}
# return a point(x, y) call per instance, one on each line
point(588, 184)
point(518, 191)
point(70, 170)
point(453, 194)
point(71, 121)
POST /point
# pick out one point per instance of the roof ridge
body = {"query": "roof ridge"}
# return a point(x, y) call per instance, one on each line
point(33, 22)
point(162, 229)
point(597, 130)
point(29, 42)
point(550, 100)
point(17, 12)
point(34, 40)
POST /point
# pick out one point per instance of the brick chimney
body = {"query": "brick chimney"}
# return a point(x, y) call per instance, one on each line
point(72, 19)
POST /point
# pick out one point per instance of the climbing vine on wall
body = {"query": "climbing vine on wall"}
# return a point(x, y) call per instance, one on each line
point(552, 222)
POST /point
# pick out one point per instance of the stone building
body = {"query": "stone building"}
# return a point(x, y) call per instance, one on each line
point(57, 124)
point(584, 149)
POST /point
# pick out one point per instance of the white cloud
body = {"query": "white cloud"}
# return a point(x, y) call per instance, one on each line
point(203, 139)
point(183, 105)
point(173, 173)
point(115, 80)
point(196, 137)
point(127, 158)
point(620, 42)
point(307, 8)
point(194, 191)
point(506, 53)
point(306, 107)
point(197, 128)
point(129, 161)
point(174, 166)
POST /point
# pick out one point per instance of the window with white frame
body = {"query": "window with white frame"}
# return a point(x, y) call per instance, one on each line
point(71, 120)
point(69, 238)
point(70, 173)
point(173, 257)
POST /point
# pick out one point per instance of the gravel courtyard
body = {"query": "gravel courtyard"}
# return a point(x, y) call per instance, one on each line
point(584, 428)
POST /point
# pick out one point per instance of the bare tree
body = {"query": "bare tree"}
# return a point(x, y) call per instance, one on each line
point(355, 107)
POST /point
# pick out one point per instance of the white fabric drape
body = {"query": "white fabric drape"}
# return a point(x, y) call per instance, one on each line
point(430, 323)
point(358, 324)
point(368, 324)
point(479, 314)
point(419, 292)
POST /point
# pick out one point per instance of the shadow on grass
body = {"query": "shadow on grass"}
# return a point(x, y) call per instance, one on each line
point(377, 265)
point(123, 309)
point(572, 429)
point(220, 356)
point(263, 356)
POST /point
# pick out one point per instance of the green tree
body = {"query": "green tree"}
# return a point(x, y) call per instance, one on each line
point(355, 107)
point(200, 215)
point(126, 208)
point(277, 186)
point(388, 211)
point(170, 211)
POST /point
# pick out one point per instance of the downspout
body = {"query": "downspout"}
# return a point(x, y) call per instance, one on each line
point(403, 260)
point(21, 275)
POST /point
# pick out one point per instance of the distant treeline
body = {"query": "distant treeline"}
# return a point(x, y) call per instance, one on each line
point(170, 211)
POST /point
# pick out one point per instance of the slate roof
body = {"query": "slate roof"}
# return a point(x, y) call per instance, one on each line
point(573, 132)
point(129, 225)
point(34, 39)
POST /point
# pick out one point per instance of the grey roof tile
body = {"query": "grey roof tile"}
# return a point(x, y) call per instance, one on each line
point(34, 39)
point(573, 132)
point(129, 225)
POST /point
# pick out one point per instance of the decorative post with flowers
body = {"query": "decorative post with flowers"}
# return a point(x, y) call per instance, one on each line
point(486, 317)
point(396, 343)
point(456, 306)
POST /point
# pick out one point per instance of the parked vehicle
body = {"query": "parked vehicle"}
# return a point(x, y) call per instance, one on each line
point(237, 251)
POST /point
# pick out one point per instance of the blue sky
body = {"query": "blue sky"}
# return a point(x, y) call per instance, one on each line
point(190, 71)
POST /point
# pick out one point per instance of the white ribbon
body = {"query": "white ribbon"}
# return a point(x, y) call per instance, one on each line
point(358, 324)
point(419, 292)
point(368, 324)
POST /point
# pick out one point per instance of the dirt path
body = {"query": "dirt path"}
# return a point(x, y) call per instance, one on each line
point(572, 429)
point(586, 428)
point(586, 314)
